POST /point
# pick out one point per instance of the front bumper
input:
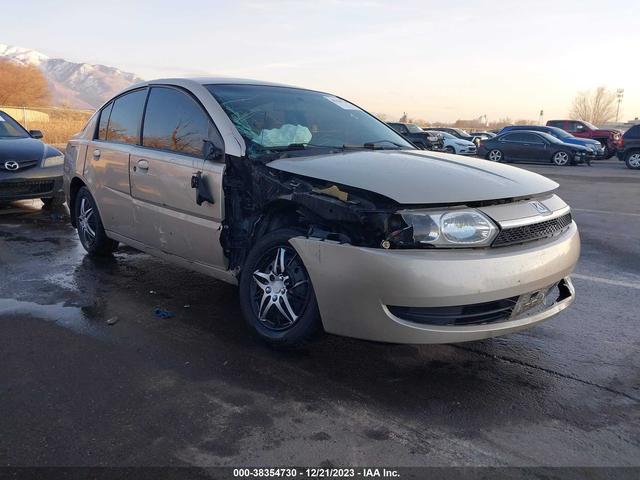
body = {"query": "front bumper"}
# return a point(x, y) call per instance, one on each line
point(356, 286)
point(32, 183)
point(466, 150)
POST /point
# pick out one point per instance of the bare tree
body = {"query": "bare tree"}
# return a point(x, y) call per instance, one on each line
point(22, 85)
point(597, 106)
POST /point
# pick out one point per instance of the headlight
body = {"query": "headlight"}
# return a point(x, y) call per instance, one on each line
point(53, 161)
point(445, 229)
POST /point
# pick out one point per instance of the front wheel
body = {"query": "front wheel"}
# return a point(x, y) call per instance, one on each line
point(90, 228)
point(495, 155)
point(276, 295)
point(633, 160)
point(561, 158)
point(450, 149)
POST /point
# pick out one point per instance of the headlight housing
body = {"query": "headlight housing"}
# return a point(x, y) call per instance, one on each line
point(444, 229)
point(53, 161)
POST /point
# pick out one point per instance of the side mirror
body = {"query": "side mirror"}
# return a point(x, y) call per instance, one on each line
point(36, 134)
point(211, 152)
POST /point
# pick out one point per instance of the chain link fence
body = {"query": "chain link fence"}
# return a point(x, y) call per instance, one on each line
point(56, 123)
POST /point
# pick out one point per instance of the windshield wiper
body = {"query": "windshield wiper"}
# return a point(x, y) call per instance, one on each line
point(375, 145)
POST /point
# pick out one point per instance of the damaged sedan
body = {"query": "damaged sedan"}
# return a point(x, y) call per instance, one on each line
point(326, 218)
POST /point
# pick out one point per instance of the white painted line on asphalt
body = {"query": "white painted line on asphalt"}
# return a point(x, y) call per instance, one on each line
point(617, 283)
point(605, 211)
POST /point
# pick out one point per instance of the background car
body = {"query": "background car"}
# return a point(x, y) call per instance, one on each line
point(629, 148)
point(456, 132)
point(483, 135)
point(563, 136)
point(419, 137)
point(28, 167)
point(531, 146)
point(456, 145)
point(610, 139)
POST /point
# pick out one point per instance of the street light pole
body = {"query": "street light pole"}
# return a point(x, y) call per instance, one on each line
point(619, 94)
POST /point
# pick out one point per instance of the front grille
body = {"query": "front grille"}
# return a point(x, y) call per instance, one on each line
point(476, 314)
point(22, 165)
point(10, 189)
point(534, 231)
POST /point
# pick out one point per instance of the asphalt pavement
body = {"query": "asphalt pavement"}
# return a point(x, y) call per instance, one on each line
point(89, 376)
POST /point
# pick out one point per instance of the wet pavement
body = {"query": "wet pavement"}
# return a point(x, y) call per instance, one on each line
point(90, 376)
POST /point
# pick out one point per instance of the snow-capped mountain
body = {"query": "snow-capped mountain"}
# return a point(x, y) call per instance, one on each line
point(78, 85)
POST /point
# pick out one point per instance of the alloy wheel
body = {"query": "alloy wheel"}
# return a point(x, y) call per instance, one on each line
point(87, 221)
point(282, 288)
point(495, 155)
point(634, 160)
point(561, 158)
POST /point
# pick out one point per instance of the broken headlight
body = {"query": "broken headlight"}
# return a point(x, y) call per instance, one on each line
point(441, 228)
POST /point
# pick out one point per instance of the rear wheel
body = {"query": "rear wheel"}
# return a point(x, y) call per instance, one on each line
point(495, 155)
point(633, 160)
point(276, 295)
point(90, 228)
point(561, 158)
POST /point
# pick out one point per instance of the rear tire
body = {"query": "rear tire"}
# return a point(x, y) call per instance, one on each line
point(632, 160)
point(276, 296)
point(90, 229)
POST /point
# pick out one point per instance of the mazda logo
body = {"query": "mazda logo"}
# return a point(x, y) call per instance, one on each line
point(11, 165)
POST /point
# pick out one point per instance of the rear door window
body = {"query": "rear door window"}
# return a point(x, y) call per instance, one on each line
point(176, 122)
point(126, 116)
point(104, 122)
point(633, 132)
point(515, 137)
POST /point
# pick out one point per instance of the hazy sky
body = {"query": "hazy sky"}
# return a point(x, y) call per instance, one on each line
point(436, 60)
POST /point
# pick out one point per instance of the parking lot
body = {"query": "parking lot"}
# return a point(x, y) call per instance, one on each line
point(90, 376)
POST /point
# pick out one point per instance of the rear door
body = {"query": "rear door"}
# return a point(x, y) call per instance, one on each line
point(107, 162)
point(167, 216)
point(510, 146)
point(532, 147)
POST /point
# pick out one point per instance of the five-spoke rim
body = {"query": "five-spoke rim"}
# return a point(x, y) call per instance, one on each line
point(495, 155)
point(87, 221)
point(634, 160)
point(282, 290)
point(561, 158)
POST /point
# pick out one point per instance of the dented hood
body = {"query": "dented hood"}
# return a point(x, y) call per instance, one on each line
point(419, 177)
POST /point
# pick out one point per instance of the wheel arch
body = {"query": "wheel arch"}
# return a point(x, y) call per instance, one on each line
point(74, 187)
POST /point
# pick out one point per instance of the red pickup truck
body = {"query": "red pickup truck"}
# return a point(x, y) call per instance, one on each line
point(610, 139)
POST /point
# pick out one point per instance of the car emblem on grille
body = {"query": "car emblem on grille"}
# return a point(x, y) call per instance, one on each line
point(540, 208)
point(11, 165)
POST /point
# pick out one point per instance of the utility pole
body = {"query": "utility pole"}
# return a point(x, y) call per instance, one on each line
point(541, 117)
point(619, 94)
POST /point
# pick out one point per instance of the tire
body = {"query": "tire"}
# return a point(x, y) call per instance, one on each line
point(561, 158)
point(90, 229)
point(632, 160)
point(449, 149)
point(53, 202)
point(495, 155)
point(272, 270)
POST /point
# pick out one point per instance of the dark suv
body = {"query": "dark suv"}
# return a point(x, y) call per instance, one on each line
point(420, 138)
point(629, 150)
point(28, 167)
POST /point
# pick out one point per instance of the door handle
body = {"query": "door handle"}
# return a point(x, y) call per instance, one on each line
point(143, 165)
point(96, 154)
